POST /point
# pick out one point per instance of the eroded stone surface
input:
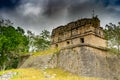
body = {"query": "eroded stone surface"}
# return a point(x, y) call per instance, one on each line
point(83, 62)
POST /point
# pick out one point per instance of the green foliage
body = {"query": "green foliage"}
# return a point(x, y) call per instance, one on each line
point(39, 42)
point(12, 42)
point(112, 34)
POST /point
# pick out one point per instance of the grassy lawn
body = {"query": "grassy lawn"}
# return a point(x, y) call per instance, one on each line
point(48, 74)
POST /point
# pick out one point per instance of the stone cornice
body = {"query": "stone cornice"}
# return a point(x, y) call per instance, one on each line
point(85, 45)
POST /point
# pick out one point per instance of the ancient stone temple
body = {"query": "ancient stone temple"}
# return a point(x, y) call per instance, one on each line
point(85, 31)
point(82, 51)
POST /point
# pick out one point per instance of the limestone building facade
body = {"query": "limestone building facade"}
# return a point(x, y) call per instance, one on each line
point(85, 31)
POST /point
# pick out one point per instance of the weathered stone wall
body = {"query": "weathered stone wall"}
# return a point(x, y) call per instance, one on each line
point(95, 40)
point(88, 28)
point(40, 62)
point(83, 61)
point(22, 59)
point(90, 63)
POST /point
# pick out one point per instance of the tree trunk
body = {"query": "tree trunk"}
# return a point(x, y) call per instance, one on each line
point(2, 68)
point(118, 48)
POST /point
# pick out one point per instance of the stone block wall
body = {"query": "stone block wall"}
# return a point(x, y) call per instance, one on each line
point(90, 63)
point(83, 61)
point(40, 62)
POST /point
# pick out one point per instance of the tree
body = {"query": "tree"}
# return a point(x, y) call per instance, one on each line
point(30, 37)
point(39, 42)
point(42, 41)
point(112, 34)
point(45, 35)
point(12, 42)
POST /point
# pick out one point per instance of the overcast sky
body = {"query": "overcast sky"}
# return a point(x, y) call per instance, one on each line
point(37, 15)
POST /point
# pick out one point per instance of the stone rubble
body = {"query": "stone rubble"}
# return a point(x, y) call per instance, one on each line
point(46, 75)
point(7, 76)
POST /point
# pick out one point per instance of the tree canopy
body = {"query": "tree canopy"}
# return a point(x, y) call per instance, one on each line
point(39, 42)
point(112, 34)
point(12, 42)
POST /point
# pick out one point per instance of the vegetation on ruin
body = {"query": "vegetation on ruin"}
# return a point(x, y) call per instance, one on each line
point(45, 52)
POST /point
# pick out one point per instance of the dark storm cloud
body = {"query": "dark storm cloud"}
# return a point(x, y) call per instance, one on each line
point(117, 2)
point(114, 2)
point(83, 8)
point(53, 7)
point(37, 15)
point(74, 8)
point(9, 4)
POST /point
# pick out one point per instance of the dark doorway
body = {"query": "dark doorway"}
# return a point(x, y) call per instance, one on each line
point(56, 45)
point(68, 42)
point(82, 40)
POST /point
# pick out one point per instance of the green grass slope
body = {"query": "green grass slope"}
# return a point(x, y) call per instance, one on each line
point(48, 74)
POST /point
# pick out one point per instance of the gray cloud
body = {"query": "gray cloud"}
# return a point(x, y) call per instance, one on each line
point(37, 15)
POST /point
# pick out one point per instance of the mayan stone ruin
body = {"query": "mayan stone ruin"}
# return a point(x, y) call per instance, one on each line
point(85, 31)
